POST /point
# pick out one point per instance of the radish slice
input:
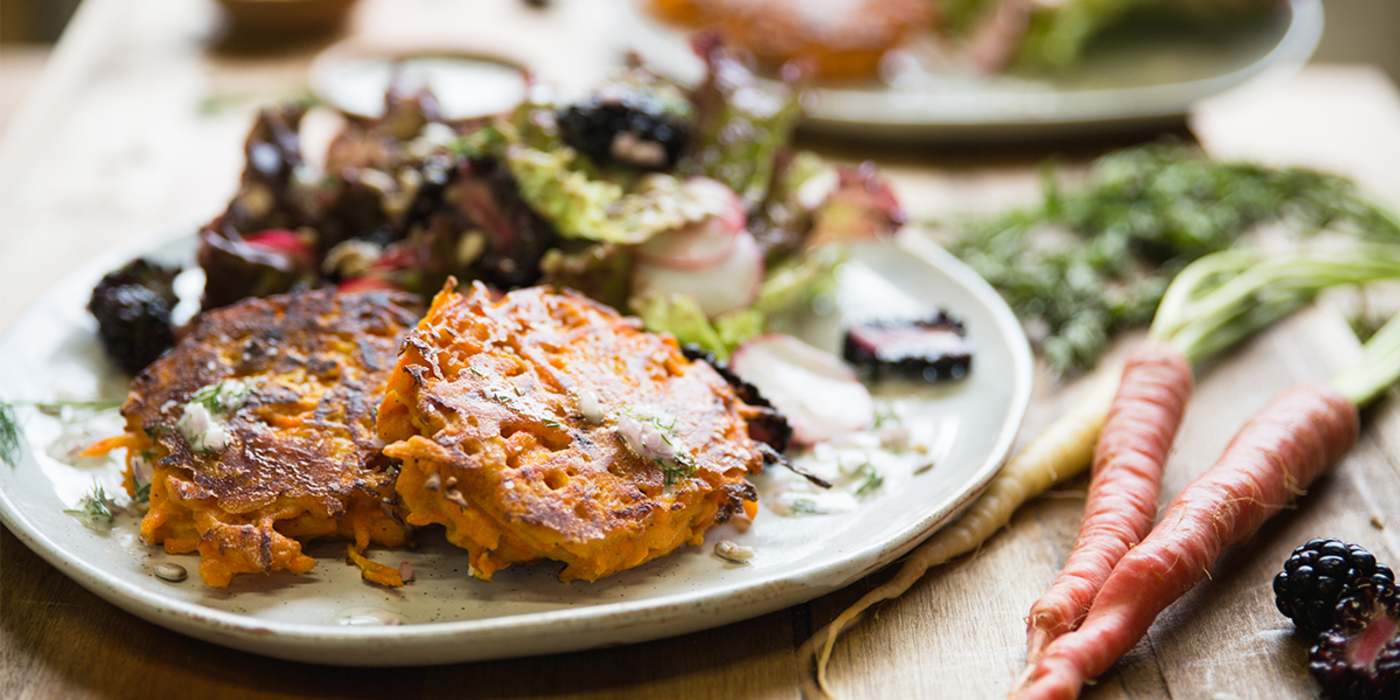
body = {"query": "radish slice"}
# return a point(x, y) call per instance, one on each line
point(819, 395)
point(731, 283)
point(720, 198)
point(701, 243)
point(284, 242)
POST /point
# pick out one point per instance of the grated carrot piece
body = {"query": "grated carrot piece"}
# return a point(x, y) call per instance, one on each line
point(374, 572)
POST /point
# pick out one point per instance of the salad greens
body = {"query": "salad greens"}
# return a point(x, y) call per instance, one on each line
point(787, 286)
point(558, 192)
point(741, 125)
point(1038, 35)
point(1057, 32)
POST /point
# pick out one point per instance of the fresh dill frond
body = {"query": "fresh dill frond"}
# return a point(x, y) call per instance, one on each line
point(223, 397)
point(883, 415)
point(143, 493)
point(95, 508)
point(873, 480)
point(55, 408)
point(9, 435)
point(674, 472)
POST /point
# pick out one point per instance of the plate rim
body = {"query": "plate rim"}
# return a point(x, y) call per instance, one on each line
point(666, 615)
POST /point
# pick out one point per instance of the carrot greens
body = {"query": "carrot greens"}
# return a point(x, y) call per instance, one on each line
point(1377, 370)
point(1229, 298)
point(1137, 219)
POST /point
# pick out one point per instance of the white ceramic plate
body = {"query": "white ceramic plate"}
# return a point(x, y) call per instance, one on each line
point(354, 79)
point(1131, 78)
point(448, 616)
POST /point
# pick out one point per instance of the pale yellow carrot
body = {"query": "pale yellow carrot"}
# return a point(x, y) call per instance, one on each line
point(1059, 452)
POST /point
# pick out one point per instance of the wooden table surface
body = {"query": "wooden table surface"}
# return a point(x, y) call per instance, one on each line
point(137, 125)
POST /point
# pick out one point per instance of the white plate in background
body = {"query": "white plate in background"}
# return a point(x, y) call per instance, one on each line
point(1130, 78)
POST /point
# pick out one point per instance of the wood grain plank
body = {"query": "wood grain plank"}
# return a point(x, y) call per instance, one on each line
point(750, 659)
point(59, 641)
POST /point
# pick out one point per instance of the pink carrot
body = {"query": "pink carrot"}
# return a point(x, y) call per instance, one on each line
point(1123, 492)
point(1271, 460)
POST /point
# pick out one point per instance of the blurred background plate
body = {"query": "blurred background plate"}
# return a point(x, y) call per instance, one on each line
point(286, 15)
point(353, 77)
point(1131, 79)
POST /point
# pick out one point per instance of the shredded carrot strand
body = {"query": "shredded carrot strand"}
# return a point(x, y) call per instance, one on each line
point(105, 446)
point(373, 571)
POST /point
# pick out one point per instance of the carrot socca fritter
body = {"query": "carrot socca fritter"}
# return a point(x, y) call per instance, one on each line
point(257, 431)
point(543, 425)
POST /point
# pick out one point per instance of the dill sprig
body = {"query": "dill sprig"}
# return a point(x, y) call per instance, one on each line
point(675, 472)
point(9, 423)
point(9, 435)
point(143, 494)
point(224, 397)
point(871, 482)
point(1087, 262)
point(95, 508)
point(56, 408)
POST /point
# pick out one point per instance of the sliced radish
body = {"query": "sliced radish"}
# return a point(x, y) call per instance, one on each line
point(701, 243)
point(367, 283)
point(284, 242)
point(731, 283)
point(819, 395)
point(719, 198)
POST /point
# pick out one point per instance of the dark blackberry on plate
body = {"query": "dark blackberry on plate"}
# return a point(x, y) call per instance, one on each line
point(1320, 574)
point(932, 349)
point(132, 306)
point(639, 121)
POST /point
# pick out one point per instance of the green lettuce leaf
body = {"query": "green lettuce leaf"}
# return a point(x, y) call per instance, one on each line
point(786, 287)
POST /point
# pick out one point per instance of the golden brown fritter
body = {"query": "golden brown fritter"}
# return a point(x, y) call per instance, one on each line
point(543, 425)
point(842, 39)
point(260, 428)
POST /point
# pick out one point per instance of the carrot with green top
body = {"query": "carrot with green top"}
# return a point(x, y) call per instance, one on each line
point(1269, 463)
point(1126, 475)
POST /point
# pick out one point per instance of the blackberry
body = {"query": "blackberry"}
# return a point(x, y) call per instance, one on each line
point(1359, 657)
point(132, 306)
point(643, 122)
point(1321, 573)
point(934, 349)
